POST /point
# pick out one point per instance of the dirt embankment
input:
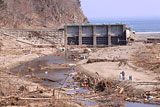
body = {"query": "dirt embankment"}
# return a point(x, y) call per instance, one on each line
point(148, 58)
point(14, 53)
point(27, 14)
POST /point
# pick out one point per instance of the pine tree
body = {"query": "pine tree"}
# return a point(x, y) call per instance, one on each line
point(79, 3)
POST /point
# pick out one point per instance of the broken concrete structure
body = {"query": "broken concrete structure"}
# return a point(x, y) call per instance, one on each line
point(36, 36)
point(85, 34)
point(95, 34)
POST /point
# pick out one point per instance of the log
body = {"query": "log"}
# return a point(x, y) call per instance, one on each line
point(35, 98)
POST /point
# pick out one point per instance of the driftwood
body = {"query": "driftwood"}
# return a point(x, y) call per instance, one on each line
point(147, 83)
point(44, 79)
point(47, 79)
point(35, 98)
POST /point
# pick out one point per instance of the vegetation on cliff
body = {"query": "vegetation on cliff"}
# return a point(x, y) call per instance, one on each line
point(2, 5)
point(40, 13)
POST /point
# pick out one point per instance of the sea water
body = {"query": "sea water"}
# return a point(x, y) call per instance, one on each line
point(136, 24)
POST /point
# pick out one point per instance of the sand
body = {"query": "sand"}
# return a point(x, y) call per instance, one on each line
point(112, 70)
point(14, 53)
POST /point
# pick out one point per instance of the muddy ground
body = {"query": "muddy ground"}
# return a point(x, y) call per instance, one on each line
point(15, 88)
point(99, 71)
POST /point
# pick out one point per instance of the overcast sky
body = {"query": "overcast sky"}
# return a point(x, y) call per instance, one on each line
point(120, 8)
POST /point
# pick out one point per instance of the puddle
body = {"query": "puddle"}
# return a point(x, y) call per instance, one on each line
point(130, 104)
point(88, 103)
point(53, 78)
point(54, 60)
point(58, 77)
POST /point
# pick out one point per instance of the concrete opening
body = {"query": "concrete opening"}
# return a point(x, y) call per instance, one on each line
point(87, 40)
point(102, 40)
point(73, 41)
point(93, 34)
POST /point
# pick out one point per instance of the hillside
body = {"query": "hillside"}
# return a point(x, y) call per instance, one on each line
point(27, 14)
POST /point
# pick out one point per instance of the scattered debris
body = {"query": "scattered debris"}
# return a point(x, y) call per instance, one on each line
point(72, 65)
point(87, 50)
point(105, 60)
point(148, 58)
point(58, 55)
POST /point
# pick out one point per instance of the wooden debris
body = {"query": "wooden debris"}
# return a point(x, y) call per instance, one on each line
point(105, 60)
point(121, 90)
point(35, 98)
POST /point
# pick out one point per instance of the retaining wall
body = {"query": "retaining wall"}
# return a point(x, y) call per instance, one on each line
point(36, 36)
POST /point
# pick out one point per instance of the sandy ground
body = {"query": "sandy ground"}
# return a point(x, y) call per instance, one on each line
point(144, 36)
point(112, 69)
point(12, 54)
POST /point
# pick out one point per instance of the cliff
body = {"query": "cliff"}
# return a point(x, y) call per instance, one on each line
point(28, 14)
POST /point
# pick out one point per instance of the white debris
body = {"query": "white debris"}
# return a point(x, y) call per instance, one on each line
point(72, 64)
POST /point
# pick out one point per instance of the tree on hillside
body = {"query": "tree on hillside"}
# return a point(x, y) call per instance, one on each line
point(2, 5)
point(79, 3)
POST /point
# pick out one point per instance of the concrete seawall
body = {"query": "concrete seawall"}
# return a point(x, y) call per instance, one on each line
point(36, 36)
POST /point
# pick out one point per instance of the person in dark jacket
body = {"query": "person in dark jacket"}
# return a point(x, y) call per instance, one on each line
point(123, 75)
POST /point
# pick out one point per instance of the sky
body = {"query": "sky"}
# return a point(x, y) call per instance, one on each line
point(120, 8)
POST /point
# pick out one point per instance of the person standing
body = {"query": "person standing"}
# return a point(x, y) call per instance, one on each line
point(130, 77)
point(123, 75)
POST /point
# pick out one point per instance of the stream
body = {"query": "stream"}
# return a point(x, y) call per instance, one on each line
point(58, 76)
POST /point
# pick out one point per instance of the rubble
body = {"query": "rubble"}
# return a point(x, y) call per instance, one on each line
point(20, 91)
point(112, 87)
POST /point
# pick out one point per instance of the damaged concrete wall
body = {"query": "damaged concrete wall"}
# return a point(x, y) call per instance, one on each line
point(91, 34)
point(37, 36)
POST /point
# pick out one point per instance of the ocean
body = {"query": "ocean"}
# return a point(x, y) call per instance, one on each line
point(138, 25)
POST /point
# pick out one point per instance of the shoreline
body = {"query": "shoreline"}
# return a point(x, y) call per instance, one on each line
point(147, 32)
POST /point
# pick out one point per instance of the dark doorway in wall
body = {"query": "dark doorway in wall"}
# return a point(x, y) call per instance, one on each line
point(87, 40)
point(102, 41)
point(72, 41)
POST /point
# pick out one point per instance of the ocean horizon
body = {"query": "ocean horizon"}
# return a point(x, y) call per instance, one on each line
point(139, 25)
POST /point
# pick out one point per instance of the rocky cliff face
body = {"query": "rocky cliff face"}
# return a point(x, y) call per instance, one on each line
point(29, 14)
